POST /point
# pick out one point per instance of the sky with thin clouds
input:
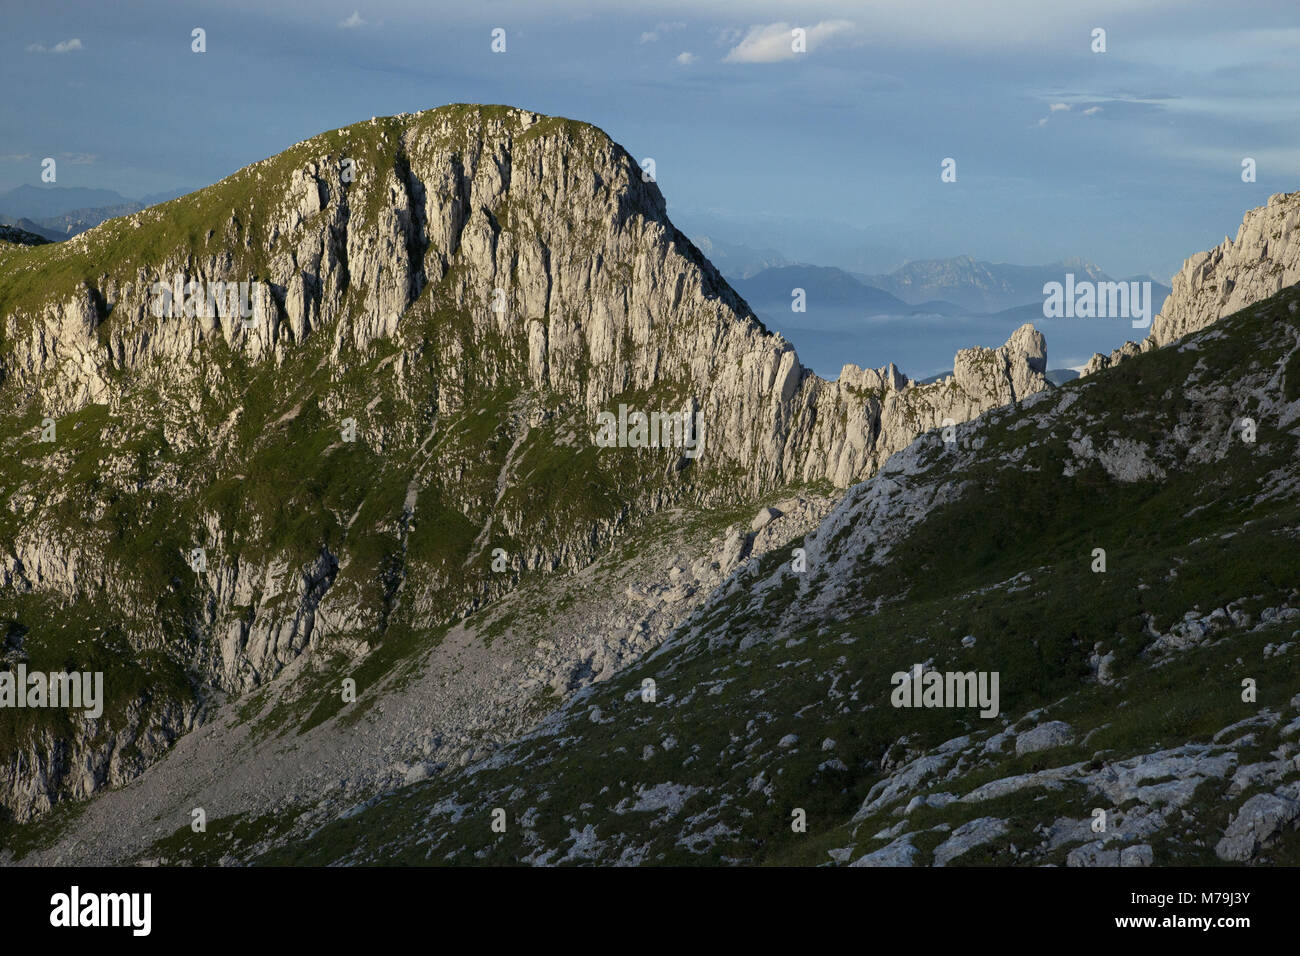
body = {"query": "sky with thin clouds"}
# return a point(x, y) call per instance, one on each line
point(1130, 158)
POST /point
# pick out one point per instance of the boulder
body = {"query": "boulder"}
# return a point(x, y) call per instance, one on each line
point(1260, 818)
point(1054, 733)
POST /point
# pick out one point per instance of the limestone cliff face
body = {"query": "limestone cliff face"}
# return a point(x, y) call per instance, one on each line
point(1264, 259)
point(470, 264)
point(545, 233)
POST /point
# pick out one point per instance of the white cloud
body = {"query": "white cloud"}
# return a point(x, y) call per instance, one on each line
point(1052, 110)
point(727, 36)
point(353, 21)
point(650, 36)
point(63, 46)
point(79, 159)
point(773, 42)
point(1092, 110)
point(686, 59)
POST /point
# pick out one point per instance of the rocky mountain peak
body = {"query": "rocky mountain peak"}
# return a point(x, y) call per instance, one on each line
point(352, 393)
point(1262, 260)
point(542, 230)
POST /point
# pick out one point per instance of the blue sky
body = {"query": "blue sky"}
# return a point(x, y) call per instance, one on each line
point(1130, 158)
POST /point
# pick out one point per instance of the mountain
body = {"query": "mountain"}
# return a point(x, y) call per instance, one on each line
point(1033, 311)
point(77, 221)
point(845, 320)
point(737, 260)
point(364, 582)
point(1121, 734)
point(822, 285)
point(18, 235)
point(1074, 339)
point(401, 435)
point(977, 285)
point(842, 321)
point(152, 199)
point(35, 228)
point(1264, 259)
point(766, 728)
point(60, 212)
point(47, 202)
point(939, 307)
point(1059, 376)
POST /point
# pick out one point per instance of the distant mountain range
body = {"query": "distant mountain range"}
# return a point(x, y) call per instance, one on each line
point(61, 212)
point(23, 224)
point(921, 313)
point(956, 286)
point(739, 261)
point(827, 285)
point(977, 285)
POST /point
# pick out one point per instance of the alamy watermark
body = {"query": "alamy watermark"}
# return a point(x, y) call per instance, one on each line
point(1101, 300)
point(951, 689)
point(83, 690)
point(682, 430)
point(205, 300)
point(75, 909)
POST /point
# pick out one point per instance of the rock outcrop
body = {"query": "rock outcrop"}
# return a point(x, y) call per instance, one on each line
point(1264, 259)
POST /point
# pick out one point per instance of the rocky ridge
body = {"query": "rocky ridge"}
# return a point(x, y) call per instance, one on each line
point(1263, 259)
point(20, 237)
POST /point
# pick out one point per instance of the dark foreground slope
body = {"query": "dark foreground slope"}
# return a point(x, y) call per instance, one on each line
point(1126, 691)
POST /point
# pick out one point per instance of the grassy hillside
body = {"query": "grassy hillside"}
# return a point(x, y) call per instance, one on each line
point(754, 719)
